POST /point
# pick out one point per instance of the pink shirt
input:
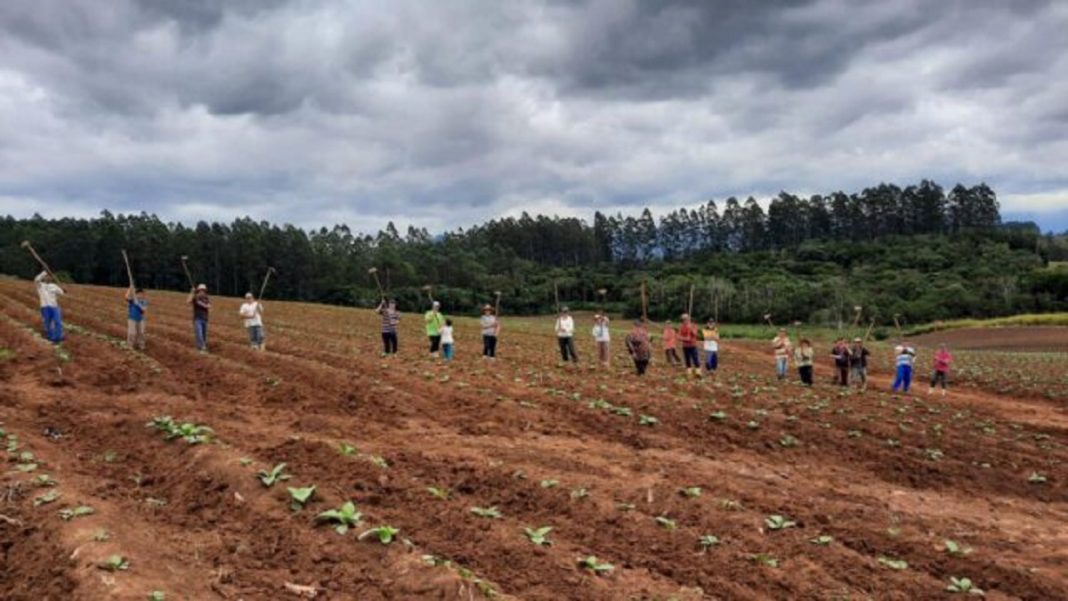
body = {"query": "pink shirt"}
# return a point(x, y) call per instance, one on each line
point(942, 359)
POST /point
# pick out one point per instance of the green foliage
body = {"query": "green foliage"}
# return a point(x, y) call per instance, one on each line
point(157, 596)
point(188, 431)
point(439, 493)
point(345, 517)
point(778, 522)
point(274, 476)
point(893, 564)
point(70, 513)
point(539, 536)
point(384, 534)
point(486, 512)
point(591, 563)
point(114, 563)
point(964, 585)
point(300, 496)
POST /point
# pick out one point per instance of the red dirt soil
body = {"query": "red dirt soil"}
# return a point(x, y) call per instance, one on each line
point(885, 476)
point(1031, 338)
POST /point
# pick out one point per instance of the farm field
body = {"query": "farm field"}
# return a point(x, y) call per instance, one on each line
point(737, 487)
point(1009, 338)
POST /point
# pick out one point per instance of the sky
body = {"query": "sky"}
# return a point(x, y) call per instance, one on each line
point(446, 114)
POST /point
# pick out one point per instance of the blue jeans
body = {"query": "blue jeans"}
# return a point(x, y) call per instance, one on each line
point(903, 379)
point(200, 330)
point(711, 360)
point(780, 366)
point(446, 351)
point(53, 324)
point(255, 335)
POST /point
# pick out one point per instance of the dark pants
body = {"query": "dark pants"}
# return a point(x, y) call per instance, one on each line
point(567, 348)
point(711, 360)
point(641, 365)
point(389, 343)
point(690, 353)
point(938, 377)
point(489, 346)
point(672, 356)
point(435, 343)
point(53, 324)
point(843, 375)
point(200, 332)
point(805, 371)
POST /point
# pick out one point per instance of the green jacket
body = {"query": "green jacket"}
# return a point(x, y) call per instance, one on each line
point(434, 323)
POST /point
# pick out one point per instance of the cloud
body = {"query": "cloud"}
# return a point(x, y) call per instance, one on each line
point(447, 114)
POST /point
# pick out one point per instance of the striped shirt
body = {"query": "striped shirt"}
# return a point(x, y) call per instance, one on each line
point(390, 319)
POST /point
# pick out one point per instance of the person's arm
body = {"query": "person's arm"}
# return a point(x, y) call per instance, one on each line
point(129, 293)
point(39, 277)
point(192, 295)
point(496, 327)
point(381, 306)
point(259, 307)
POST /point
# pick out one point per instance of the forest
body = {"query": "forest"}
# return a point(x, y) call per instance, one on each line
point(917, 250)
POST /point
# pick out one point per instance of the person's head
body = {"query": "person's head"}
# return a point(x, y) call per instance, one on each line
point(202, 288)
point(639, 324)
point(805, 342)
point(667, 323)
point(711, 323)
point(857, 342)
point(47, 277)
point(391, 303)
point(448, 322)
point(943, 347)
point(487, 310)
point(685, 318)
point(249, 297)
point(597, 317)
point(565, 311)
point(782, 332)
point(899, 349)
point(435, 305)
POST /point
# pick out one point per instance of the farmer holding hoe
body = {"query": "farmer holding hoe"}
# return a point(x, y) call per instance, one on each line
point(710, 341)
point(670, 341)
point(688, 337)
point(198, 298)
point(858, 363)
point(782, 347)
point(435, 321)
point(940, 375)
point(387, 311)
point(52, 319)
point(252, 314)
point(136, 304)
point(639, 346)
point(491, 330)
point(602, 336)
point(904, 357)
point(565, 335)
point(842, 357)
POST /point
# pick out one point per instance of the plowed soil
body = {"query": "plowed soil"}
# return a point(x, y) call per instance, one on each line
point(1043, 339)
point(600, 456)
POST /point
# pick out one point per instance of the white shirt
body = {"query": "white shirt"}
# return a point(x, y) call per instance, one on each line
point(565, 326)
point(47, 291)
point(601, 333)
point(446, 335)
point(253, 314)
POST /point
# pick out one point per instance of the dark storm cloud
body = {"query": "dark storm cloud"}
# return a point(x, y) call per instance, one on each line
point(448, 113)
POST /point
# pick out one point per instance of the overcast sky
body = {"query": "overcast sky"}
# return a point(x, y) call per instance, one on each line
point(445, 113)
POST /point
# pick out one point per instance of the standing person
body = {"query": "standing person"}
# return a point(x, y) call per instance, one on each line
point(942, 361)
point(491, 329)
point(670, 341)
point(252, 312)
point(434, 322)
point(805, 358)
point(565, 335)
point(639, 347)
point(710, 336)
point(387, 310)
point(782, 347)
point(858, 363)
point(688, 337)
point(603, 337)
point(905, 356)
point(51, 317)
point(198, 297)
point(448, 345)
point(136, 303)
point(842, 356)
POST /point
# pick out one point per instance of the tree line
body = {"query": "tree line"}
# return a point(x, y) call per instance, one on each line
point(916, 250)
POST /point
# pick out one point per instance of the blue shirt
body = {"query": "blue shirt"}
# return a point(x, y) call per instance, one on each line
point(136, 309)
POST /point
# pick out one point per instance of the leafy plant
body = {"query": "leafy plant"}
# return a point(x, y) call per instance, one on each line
point(1036, 478)
point(345, 516)
point(788, 441)
point(893, 564)
point(580, 493)
point(300, 496)
point(591, 563)
point(964, 585)
point(956, 549)
point(765, 559)
point(717, 416)
point(385, 534)
point(244, 462)
point(822, 540)
point(274, 476)
point(439, 493)
point(188, 431)
point(101, 535)
point(378, 461)
point(549, 483)
point(708, 541)
point(114, 563)
point(43, 480)
point(647, 420)
point(691, 492)
point(539, 536)
point(346, 449)
point(666, 522)
point(778, 522)
point(486, 512)
point(157, 596)
point(45, 499)
point(68, 514)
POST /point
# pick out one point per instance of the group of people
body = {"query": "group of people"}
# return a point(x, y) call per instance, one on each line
point(850, 359)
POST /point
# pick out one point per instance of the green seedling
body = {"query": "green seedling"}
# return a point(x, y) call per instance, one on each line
point(764, 559)
point(1036, 478)
point(274, 476)
point(69, 514)
point(708, 541)
point(965, 586)
point(378, 461)
point(730, 505)
point(752, 425)
point(300, 496)
point(439, 493)
point(100, 535)
point(788, 441)
point(26, 457)
point(778, 522)
point(647, 420)
point(244, 462)
point(622, 411)
point(956, 549)
point(385, 534)
point(346, 517)
point(45, 499)
point(718, 416)
point(26, 467)
point(539, 536)
point(43, 480)
point(549, 483)
point(346, 449)
point(114, 563)
point(486, 512)
point(110, 457)
point(691, 492)
point(893, 564)
point(626, 506)
point(822, 540)
point(666, 522)
point(591, 563)
point(157, 596)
